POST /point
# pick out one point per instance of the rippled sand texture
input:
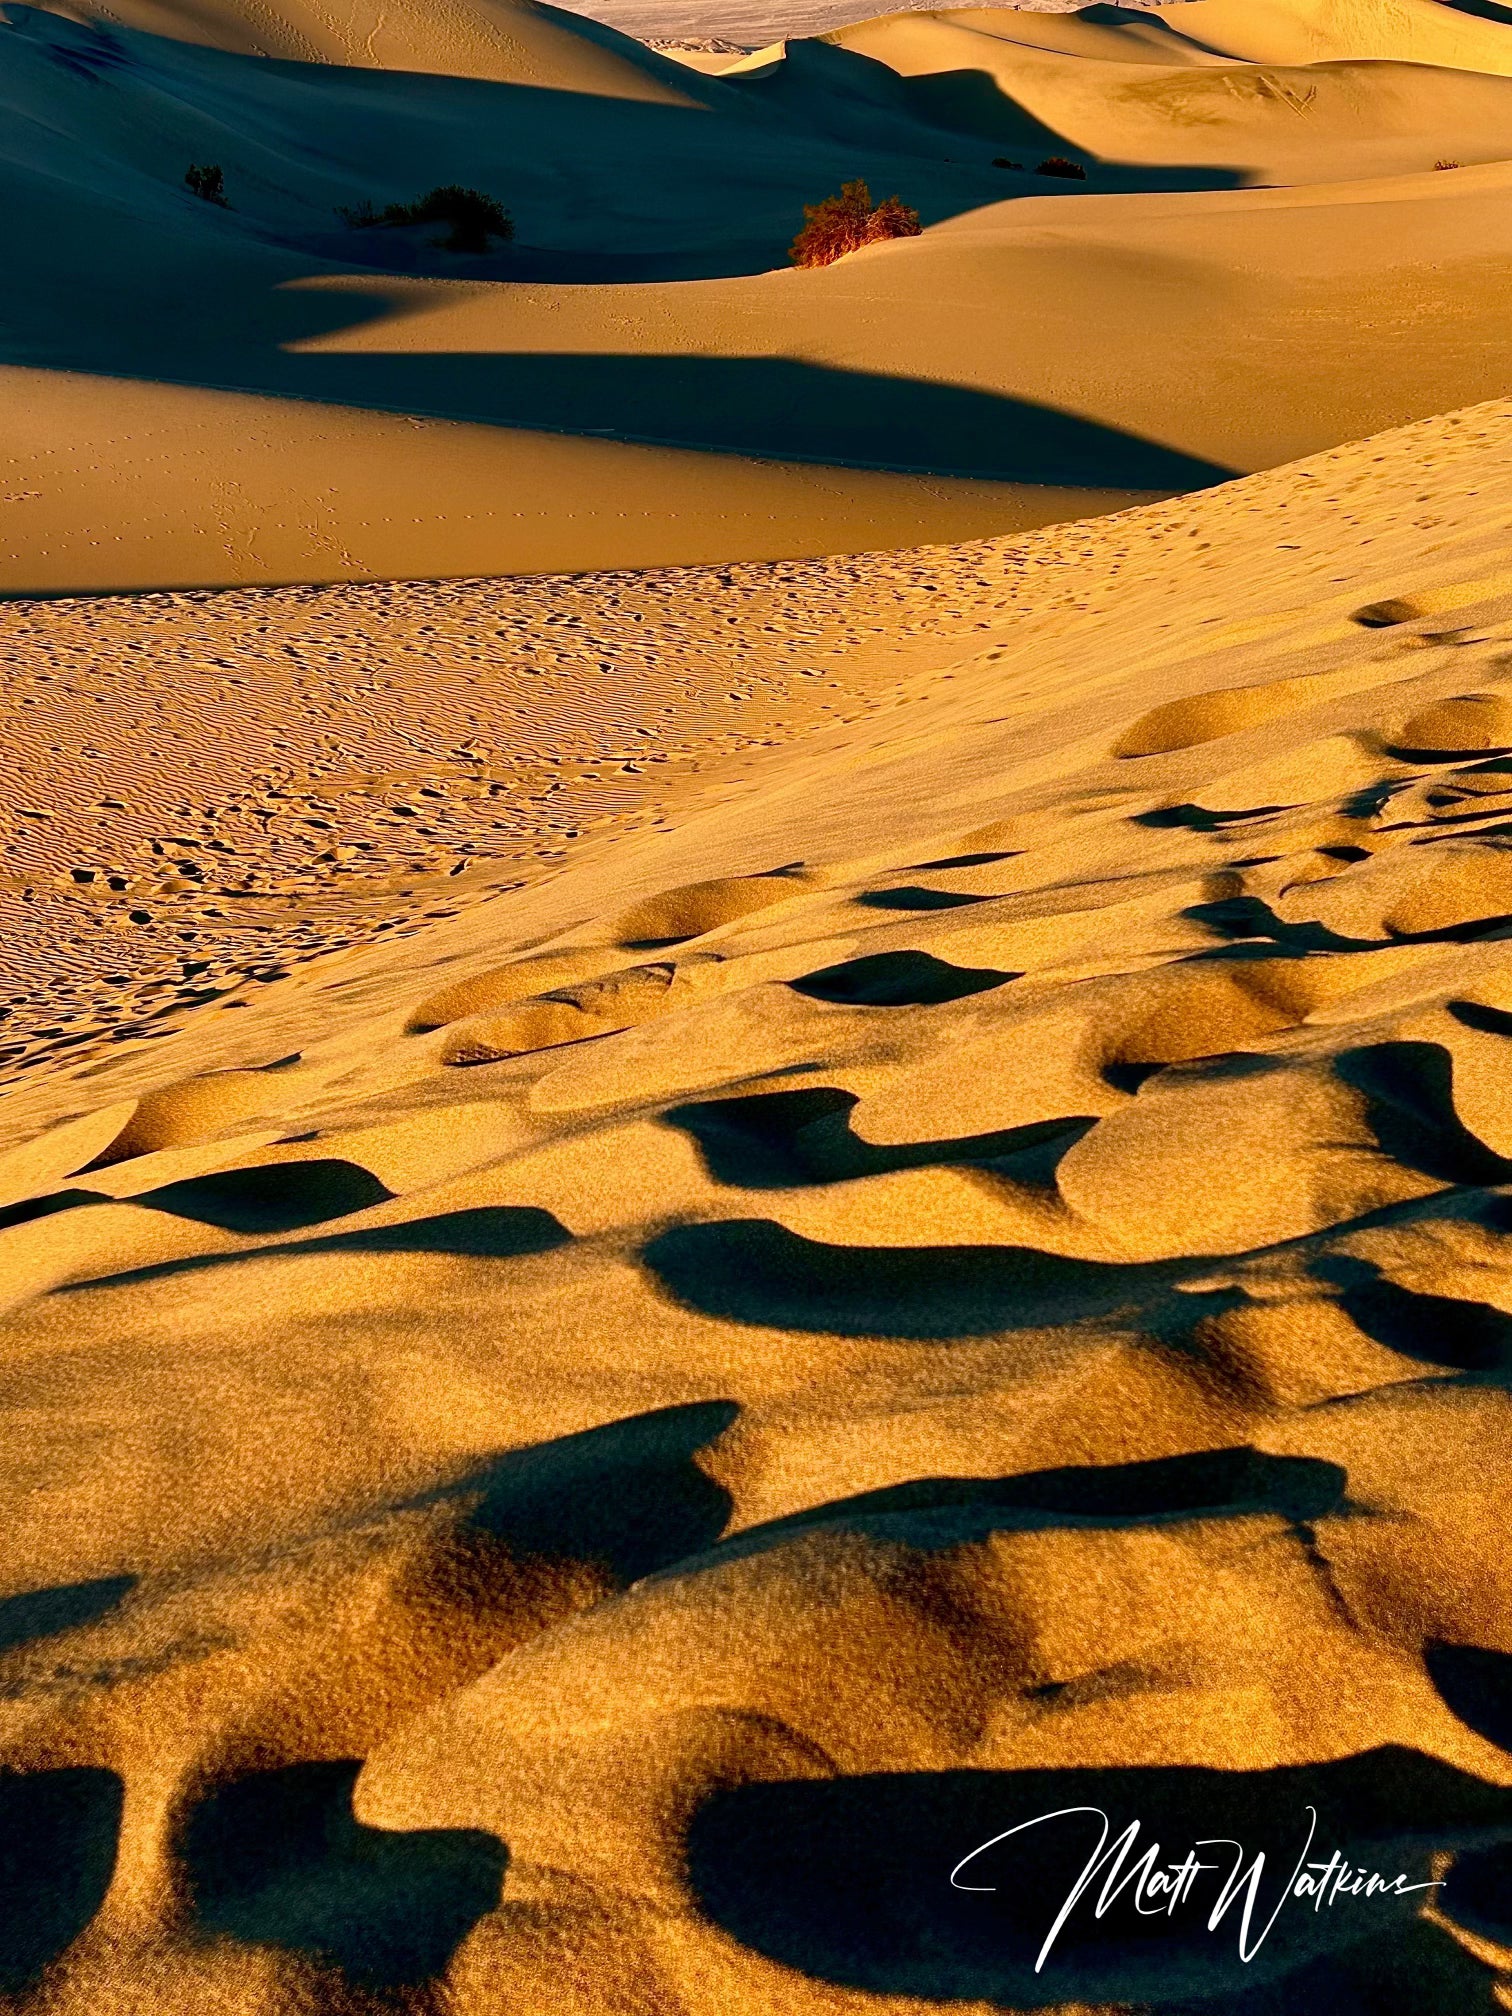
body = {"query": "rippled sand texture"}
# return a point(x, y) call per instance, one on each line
point(579, 1460)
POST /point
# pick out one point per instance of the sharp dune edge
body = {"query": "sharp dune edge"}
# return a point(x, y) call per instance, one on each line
point(681, 1233)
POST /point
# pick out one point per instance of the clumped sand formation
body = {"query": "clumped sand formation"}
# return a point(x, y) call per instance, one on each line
point(579, 1461)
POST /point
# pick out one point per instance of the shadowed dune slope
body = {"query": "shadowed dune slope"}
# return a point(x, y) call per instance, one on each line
point(508, 41)
point(582, 1453)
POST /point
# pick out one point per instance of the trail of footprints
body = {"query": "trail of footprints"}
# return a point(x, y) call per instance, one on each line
point(1247, 1105)
point(202, 790)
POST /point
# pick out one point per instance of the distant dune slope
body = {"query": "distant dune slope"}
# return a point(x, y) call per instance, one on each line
point(1050, 345)
point(1328, 31)
point(1277, 122)
point(1269, 31)
point(509, 41)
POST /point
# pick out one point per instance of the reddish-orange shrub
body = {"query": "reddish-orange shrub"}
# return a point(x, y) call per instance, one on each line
point(846, 222)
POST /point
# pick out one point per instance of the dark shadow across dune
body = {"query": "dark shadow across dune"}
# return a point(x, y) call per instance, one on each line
point(849, 1880)
point(270, 1196)
point(277, 1858)
point(898, 980)
point(947, 1511)
point(755, 1271)
point(788, 1140)
point(43, 1613)
point(771, 408)
point(58, 1834)
point(485, 1232)
point(627, 1496)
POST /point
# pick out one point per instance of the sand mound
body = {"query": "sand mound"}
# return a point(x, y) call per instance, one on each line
point(1321, 115)
point(506, 41)
point(1328, 31)
point(1000, 1307)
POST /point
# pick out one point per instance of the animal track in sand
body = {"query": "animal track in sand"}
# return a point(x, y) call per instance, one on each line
point(355, 760)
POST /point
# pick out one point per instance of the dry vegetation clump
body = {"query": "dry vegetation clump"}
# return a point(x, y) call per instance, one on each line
point(208, 183)
point(846, 222)
point(473, 218)
point(1057, 164)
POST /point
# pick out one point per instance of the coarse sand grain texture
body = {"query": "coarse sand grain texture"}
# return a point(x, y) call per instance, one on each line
point(756, 1025)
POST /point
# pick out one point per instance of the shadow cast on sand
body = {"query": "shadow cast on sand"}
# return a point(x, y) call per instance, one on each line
point(1247, 917)
point(793, 1140)
point(484, 1232)
point(43, 1613)
point(772, 408)
point(627, 1496)
point(898, 980)
point(755, 1271)
point(849, 1880)
point(58, 1834)
point(277, 1858)
point(949, 1511)
point(270, 1196)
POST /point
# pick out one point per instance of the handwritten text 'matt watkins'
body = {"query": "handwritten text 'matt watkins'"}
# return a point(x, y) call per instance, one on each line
point(1157, 1887)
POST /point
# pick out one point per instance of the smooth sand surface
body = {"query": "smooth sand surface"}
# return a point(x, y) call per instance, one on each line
point(1262, 261)
point(935, 1260)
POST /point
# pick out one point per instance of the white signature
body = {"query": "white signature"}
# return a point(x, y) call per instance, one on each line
point(1161, 1886)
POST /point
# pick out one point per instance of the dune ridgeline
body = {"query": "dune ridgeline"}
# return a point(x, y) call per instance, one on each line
point(685, 1225)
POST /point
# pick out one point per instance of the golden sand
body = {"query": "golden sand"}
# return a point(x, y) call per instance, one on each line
point(970, 1245)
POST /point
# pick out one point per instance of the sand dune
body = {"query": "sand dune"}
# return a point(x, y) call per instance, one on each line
point(687, 1226)
point(953, 1272)
point(1330, 31)
point(639, 378)
point(1320, 119)
point(508, 41)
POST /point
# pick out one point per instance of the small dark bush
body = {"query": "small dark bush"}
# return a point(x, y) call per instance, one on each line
point(846, 222)
point(1446, 164)
point(473, 217)
point(208, 183)
point(1001, 161)
point(1057, 164)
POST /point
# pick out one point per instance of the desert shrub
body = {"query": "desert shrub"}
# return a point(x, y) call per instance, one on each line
point(473, 217)
point(846, 222)
point(208, 183)
point(1057, 164)
point(1446, 164)
point(1002, 161)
